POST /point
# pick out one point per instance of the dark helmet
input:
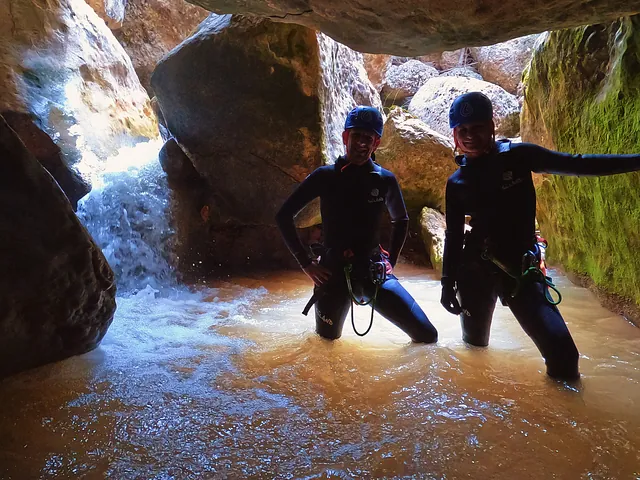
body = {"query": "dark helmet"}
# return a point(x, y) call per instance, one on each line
point(472, 107)
point(367, 118)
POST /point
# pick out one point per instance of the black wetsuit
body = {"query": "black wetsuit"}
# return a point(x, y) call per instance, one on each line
point(353, 199)
point(497, 191)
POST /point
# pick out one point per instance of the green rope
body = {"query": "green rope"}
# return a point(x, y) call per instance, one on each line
point(547, 281)
point(372, 302)
point(534, 272)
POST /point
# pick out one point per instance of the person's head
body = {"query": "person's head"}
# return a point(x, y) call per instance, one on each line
point(471, 117)
point(362, 132)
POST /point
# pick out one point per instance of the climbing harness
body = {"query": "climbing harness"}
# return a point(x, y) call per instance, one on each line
point(378, 275)
point(531, 271)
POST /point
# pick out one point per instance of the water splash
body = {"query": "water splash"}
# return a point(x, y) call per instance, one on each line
point(127, 214)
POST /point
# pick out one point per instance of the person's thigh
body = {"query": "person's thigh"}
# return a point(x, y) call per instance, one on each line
point(477, 296)
point(396, 305)
point(548, 330)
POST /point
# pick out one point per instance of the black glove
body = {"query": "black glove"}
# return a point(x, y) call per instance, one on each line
point(449, 300)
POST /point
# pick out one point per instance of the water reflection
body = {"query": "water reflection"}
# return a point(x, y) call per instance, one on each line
point(232, 383)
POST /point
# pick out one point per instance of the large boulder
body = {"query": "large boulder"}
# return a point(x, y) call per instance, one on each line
point(582, 96)
point(57, 292)
point(503, 63)
point(60, 64)
point(416, 27)
point(431, 103)
point(421, 159)
point(256, 106)
point(151, 28)
point(404, 80)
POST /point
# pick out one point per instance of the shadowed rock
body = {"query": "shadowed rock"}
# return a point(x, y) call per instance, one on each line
point(255, 106)
point(57, 292)
point(49, 155)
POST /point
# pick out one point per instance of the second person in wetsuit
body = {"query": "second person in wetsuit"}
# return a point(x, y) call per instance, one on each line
point(494, 186)
point(354, 192)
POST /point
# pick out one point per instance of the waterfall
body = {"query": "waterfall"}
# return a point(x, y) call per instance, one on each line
point(128, 215)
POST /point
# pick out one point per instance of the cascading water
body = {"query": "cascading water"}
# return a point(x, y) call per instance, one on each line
point(128, 215)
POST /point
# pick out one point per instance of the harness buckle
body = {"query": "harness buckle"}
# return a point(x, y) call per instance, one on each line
point(378, 272)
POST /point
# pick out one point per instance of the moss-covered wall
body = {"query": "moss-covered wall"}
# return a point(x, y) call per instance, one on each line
point(583, 96)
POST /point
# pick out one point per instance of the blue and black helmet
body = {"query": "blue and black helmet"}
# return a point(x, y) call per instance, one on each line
point(472, 107)
point(367, 118)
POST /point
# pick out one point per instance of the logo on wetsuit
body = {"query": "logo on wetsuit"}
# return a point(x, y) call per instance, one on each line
point(325, 319)
point(374, 193)
point(508, 177)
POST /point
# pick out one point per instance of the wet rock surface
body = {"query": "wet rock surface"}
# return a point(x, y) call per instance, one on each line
point(582, 97)
point(61, 64)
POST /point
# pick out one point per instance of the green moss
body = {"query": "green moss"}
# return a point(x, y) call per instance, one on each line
point(583, 96)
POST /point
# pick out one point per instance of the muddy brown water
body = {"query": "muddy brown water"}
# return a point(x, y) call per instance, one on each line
point(231, 382)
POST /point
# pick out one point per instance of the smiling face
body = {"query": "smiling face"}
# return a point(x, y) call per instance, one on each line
point(360, 144)
point(474, 139)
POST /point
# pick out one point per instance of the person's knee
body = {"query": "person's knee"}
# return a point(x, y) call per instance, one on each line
point(562, 361)
point(423, 330)
point(425, 335)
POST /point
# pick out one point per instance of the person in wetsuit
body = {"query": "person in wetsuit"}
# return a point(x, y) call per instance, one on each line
point(353, 195)
point(494, 185)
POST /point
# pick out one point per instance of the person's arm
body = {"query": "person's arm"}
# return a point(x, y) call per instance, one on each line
point(309, 189)
point(454, 236)
point(542, 160)
point(399, 220)
point(452, 255)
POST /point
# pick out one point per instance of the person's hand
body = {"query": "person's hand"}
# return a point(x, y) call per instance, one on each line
point(449, 300)
point(317, 273)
